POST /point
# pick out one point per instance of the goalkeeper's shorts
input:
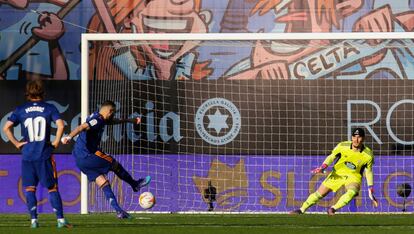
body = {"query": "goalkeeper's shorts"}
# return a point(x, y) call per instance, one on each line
point(335, 181)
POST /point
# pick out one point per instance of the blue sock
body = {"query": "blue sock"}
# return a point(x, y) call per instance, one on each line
point(56, 202)
point(120, 171)
point(111, 197)
point(31, 202)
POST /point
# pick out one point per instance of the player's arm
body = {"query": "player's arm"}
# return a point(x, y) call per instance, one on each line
point(7, 129)
point(59, 132)
point(60, 125)
point(369, 175)
point(136, 120)
point(83, 127)
point(328, 161)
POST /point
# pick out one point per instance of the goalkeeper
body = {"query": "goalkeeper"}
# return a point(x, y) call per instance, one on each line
point(96, 164)
point(351, 159)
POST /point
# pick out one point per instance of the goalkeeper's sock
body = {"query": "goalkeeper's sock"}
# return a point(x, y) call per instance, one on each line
point(31, 202)
point(120, 171)
point(312, 200)
point(111, 197)
point(345, 199)
point(56, 202)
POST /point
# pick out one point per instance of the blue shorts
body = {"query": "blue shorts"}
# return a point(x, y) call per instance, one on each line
point(94, 165)
point(43, 171)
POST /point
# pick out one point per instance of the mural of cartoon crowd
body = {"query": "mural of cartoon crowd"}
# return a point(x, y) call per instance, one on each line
point(41, 38)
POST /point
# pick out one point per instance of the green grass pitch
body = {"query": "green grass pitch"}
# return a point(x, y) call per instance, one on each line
point(216, 223)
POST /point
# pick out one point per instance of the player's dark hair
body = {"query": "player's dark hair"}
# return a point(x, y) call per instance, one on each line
point(34, 90)
point(109, 103)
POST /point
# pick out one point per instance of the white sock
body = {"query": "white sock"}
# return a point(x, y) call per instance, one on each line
point(33, 220)
point(61, 220)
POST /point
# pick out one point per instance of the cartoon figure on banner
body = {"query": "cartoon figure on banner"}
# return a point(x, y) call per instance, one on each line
point(315, 59)
point(395, 58)
point(166, 60)
point(230, 185)
point(27, 61)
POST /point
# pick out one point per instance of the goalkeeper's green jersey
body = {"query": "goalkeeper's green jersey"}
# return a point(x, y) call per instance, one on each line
point(348, 162)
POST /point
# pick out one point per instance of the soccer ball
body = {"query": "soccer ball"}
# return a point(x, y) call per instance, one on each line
point(146, 200)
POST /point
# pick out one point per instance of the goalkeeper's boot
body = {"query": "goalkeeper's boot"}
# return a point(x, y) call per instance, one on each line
point(295, 212)
point(34, 224)
point(331, 211)
point(141, 182)
point(123, 215)
point(64, 224)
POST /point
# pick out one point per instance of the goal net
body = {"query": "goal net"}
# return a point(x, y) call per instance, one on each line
point(236, 122)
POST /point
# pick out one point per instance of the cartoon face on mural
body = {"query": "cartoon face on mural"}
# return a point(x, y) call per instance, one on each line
point(298, 16)
point(308, 59)
point(173, 16)
point(303, 16)
point(168, 59)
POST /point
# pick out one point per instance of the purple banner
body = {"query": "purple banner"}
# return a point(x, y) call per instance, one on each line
point(243, 183)
point(257, 183)
point(12, 199)
point(282, 183)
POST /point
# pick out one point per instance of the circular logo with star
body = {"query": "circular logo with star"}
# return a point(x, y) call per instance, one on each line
point(218, 121)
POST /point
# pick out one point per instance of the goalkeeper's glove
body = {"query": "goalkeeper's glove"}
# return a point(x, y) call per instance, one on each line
point(320, 169)
point(372, 197)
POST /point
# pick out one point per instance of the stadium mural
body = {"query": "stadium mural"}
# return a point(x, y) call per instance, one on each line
point(241, 183)
point(42, 39)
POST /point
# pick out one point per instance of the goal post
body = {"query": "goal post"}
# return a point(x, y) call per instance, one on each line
point(229, 129)
point(84, 114)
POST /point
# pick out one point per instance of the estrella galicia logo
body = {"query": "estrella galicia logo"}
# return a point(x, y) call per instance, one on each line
point(218, 121)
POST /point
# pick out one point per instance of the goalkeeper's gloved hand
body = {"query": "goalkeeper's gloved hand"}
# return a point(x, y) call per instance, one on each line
point(372, 197)
point(320, 169)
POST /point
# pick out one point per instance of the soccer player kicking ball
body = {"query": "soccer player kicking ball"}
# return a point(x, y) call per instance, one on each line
point(93, 162)
point(38, 164)
point(351, 159)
